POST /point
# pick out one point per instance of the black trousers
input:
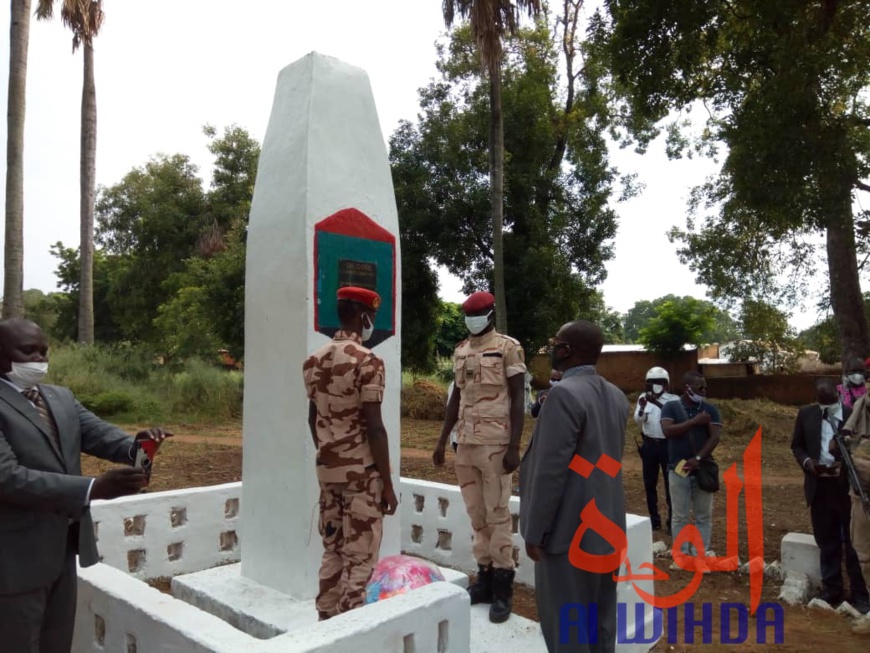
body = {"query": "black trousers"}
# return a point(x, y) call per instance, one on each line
point(42, 621)
point(654, 454)
point(830, 513)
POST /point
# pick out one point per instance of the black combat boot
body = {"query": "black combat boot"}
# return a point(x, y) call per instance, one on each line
point(502, 595)
point(481, 591)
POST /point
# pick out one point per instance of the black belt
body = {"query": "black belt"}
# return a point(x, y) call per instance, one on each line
point(652, 439)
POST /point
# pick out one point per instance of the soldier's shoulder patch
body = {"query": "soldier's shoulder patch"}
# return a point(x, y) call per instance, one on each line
point(513, 340)
point(461, 344)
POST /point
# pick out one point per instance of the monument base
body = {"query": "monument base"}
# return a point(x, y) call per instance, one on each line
point(256, 610)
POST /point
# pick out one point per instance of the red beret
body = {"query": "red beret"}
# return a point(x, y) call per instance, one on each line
point(362, 296)
point(478, 302)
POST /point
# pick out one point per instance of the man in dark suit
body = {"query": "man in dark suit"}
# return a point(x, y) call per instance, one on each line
point(44, 500)
point(585, 416)
point(827, 492)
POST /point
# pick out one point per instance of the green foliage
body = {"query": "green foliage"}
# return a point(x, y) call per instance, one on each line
point(823, 336)
point(42, 309)
point(451, 329)
point(558, 183)
point(609, 320)
point(724, 328)
point(130, 385)
point(768, 338)
point(675, 324)
point(107, 404)
point(206, 392)
point(171, 271)
point(784, 85)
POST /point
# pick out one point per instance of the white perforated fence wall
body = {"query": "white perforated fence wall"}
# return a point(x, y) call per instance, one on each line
point(169, 533)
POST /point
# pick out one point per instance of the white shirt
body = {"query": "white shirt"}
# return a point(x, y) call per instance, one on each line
point(825, 457)
point(650, 416)
point(21, 390)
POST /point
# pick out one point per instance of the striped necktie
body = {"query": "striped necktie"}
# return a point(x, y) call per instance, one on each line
point(36, 399)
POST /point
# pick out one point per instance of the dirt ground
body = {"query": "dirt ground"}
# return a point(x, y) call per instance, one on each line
point(210, 455)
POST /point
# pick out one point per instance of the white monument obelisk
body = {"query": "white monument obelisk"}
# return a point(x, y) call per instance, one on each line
point(323, 154)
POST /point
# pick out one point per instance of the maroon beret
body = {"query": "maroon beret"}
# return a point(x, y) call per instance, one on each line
point(362, 296)
point(478, 302)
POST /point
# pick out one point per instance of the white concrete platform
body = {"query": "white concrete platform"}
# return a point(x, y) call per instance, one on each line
point(254, 609)
point(799, 553)
point(517, 634)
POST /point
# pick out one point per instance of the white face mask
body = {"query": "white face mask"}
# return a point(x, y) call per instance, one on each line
point(658, 389)
point(553, 383)
point(477, 323)
point(830, 407)
point(856, 379)
point(27, 375)
point(694, 396)
point(367, 330)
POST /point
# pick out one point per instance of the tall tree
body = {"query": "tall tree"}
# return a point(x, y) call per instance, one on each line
point(84, 18)
point(153, 219)
point(558, 182)
point(638, 316)
point(785, 87)
point(13, 262)
point(491, 21)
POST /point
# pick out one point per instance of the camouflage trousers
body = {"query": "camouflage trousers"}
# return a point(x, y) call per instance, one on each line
point(859, 532)
point(486, 491)
point(351, 525)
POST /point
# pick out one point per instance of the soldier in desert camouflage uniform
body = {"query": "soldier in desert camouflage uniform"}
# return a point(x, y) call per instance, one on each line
point(488, 402)
point(345, 385)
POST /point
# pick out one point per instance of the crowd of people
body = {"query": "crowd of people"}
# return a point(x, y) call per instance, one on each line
point(44, 500)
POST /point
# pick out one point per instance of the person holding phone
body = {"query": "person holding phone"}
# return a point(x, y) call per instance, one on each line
point(654, 450)
point(344, 381)
point(826, 488)
point(45, 520)
point(692, 427)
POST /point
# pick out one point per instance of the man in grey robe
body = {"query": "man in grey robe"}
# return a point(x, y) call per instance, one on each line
point(585, 417)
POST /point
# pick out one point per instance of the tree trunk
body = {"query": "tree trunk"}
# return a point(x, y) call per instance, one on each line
point(846, 299)
point(88, 185)
point(496, 195)
point(13, 272)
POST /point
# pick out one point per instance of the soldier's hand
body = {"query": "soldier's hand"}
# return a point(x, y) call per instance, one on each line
point(118, 482)
point(533, 551)
point(642, 401)
point(438, 455)
point(511, 459)
point(388, 501)
point(811, 467)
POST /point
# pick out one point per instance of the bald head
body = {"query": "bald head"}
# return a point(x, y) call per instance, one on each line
point(585, 339)
point(21, 341)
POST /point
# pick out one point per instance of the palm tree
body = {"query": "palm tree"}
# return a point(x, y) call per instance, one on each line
point(490, 21)
point(84, 18)
point(13, 270)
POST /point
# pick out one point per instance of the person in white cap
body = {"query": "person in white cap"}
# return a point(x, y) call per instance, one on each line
point(654, 450)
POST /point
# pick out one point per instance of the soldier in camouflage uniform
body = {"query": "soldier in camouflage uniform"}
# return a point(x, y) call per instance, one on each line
point(488, 404)
point(345, 385)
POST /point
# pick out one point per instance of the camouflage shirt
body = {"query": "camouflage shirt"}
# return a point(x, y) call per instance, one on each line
point(482, 366)
point(339, 378)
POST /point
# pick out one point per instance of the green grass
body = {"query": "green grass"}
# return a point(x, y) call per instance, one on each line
point(128, 384)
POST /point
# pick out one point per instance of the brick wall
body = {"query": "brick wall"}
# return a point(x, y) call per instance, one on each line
point(624, 369)
point(790, 389)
